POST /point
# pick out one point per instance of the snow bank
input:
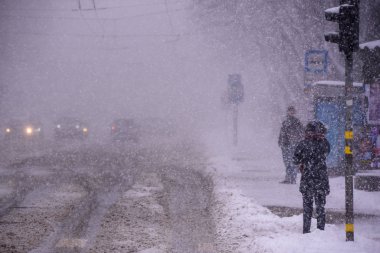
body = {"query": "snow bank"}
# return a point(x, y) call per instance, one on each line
point(243, 226)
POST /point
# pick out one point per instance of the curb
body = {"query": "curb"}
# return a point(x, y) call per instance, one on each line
point(332, 216)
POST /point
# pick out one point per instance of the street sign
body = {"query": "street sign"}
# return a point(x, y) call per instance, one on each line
point(235, 96)
point(235, 89)
point(316, 61)
point(316, 66)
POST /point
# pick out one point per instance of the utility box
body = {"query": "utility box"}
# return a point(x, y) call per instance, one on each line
point(328, 103)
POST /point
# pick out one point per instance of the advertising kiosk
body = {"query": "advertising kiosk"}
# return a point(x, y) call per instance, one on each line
point(327, 98)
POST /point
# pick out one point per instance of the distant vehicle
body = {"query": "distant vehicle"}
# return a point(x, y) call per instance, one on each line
point(70, 128)
point(20, 129)
point(124, 130)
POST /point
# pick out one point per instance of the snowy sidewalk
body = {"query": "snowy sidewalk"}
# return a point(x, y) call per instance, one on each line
point(260, 180)
point(244, 185)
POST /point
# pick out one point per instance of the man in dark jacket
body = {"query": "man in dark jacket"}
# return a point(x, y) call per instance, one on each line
point(290, 134)
point(310, 155)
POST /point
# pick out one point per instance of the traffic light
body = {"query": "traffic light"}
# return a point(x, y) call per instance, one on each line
point(347, 16)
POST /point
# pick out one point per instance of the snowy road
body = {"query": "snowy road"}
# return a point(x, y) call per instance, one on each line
point(102, 199)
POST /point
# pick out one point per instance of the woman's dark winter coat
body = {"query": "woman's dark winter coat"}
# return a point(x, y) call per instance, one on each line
point(312, 153)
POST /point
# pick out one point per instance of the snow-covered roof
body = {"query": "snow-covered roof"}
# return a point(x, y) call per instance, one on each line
point(370, 173)
point(335, 83)
point(370, 45)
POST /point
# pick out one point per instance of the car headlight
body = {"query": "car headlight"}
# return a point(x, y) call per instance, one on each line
point(7, 130)
point(85, 130)
point(29, 131)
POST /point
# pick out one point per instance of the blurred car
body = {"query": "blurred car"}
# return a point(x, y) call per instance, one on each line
point(124, 130)
point(20, 129)
point(70, 128)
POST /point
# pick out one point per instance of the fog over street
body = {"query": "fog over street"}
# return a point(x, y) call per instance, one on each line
point(153, 126)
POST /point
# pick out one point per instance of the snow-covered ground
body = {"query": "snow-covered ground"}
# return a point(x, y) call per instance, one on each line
point(244, 184)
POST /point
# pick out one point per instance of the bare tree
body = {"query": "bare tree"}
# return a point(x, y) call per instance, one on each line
point(277, 34)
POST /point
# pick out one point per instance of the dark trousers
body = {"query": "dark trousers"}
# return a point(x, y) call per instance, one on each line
point(291, 169)
point(320, 201)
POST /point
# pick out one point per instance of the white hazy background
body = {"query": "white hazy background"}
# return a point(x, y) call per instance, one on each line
point(104, 59)
point(142, 58)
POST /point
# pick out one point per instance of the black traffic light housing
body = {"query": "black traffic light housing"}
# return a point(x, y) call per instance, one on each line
point(347, 16)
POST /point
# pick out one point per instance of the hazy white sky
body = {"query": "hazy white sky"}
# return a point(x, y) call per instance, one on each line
point(130, 58)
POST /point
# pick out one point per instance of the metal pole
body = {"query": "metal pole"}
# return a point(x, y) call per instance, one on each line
point(349, 172)
point(235, 123)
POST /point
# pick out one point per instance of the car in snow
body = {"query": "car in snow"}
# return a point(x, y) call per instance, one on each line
point(70, 128)
point(123, 130)
point(22, 130)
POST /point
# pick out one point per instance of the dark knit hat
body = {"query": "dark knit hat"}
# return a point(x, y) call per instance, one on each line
point(315, 127)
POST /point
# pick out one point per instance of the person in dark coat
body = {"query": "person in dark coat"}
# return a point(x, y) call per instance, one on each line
point(310, 154)
point(291, 133)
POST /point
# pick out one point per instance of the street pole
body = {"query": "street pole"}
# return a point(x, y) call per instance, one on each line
point(347, 16)
point(349, 172)
point(235, 97)
point(235, 123)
